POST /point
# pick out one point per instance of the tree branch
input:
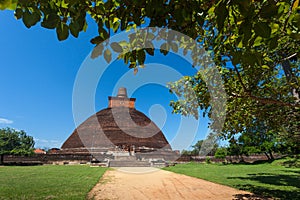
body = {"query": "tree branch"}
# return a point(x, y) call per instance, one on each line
point(288, 16)
point(289, 57)
point(240, 78)
point(289, 76)
point(265, 100)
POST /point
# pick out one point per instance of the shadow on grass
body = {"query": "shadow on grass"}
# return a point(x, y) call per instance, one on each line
point(291, 161)
point(295, 162)
point(250, 197)
point(267, 192)
point(291, 171)
point(256, 162)
point(22, 164)
point(272, 179)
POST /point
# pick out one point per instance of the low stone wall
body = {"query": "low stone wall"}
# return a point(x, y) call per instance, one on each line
point(46, 159)
point(165, 155)
point(100, 158)
point(231, 159)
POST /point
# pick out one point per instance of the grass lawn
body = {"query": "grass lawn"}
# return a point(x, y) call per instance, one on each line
point(268, 179)
point(48, 181)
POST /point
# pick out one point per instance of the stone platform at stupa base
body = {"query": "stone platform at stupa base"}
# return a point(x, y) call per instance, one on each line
point(105, 158)
point(112, 158)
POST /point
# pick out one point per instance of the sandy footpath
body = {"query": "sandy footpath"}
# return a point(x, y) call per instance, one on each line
point(140, 183)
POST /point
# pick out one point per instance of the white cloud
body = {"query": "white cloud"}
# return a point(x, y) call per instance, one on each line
point(42, 143)
point(5, 121)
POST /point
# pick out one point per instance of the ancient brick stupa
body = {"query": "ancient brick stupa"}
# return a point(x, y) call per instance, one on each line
point(118, 128)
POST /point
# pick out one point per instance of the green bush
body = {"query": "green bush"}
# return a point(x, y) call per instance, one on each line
point(207, 160)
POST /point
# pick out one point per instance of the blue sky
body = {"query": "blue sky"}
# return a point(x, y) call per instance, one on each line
point(37, 80)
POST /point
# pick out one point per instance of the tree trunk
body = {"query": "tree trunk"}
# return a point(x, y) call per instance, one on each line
point(1, 159)
point(267, 155)
point(242, 159)
point(230, 159)
point(271, 155)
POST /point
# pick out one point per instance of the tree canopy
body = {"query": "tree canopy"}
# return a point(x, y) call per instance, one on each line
point(202, 148)
point(15, 142)
point(254, 43)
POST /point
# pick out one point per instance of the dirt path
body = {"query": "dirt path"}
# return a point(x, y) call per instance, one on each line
point(136, 184)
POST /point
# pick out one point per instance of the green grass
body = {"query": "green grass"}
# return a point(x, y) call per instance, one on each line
point(48, 181)
point(268, 179)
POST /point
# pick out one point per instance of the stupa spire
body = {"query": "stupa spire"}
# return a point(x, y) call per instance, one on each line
point(121, 100)
point(122, 92)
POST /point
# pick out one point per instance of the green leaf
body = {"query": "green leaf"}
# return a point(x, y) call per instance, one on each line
point(103, 33)
point(262, 29)
point(245, 30)
point(132, 37)
point(97, 40)
point(275, 27)
point(116, 26)
point(123, 24)
point(296, 21)
point(107, 55)
point(269, 10)
point(185, 51)
point(141, 56)
point(150, 36)
point(8, 4)
point(50, 21)
point(74, 29)
point(62, 31)
point(18, 13)
point(150, 51)
point(149, 48)
point(174, 47)
point(273, 43)
point(295, 4)
point(149, 44)
point(265, 67)
point(85, 26)
point(221, 13)
point(132, 65)
point(97, 51)
point(116, 47)
point(63, 4)
point(257, 41)
point(164, 48)
point(249, 58)
point(295, 36)
point(30, 19)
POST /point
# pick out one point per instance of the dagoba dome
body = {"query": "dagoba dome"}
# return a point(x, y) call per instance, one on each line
point(118, 126)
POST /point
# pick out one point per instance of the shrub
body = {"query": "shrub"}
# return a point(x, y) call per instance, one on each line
point(207, 160)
